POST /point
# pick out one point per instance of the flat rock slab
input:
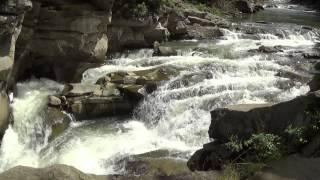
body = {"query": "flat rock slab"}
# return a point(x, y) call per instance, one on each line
point(248, 107)
point(82, 89)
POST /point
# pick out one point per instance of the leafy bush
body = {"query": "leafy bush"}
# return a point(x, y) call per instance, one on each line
point(259, 147)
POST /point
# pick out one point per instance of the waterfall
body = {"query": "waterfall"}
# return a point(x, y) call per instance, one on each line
point(176, 117)
point(28, 135)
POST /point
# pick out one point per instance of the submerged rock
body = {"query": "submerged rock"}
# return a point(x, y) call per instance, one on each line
point(164, 51)
point(58, 122)
point(268, 49)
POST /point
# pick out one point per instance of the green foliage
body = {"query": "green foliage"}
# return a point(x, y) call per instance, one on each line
point(135, 8)
point(140, 10)
point(296, 136)
point(259, 147)
point(235, 144)
point(168, 3)
point(254, 153)
point(266, 146)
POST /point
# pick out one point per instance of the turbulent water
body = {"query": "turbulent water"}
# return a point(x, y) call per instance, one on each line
point(176, 117)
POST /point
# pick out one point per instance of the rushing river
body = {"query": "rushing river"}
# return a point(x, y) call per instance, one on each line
point(176, 117)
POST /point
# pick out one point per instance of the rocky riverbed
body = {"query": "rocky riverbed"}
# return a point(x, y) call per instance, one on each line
point(177, 85)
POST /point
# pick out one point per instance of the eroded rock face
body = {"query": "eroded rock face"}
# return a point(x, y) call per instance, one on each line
point(134, 34)
point(61, 39)
point(10, 27)
point(191, 24)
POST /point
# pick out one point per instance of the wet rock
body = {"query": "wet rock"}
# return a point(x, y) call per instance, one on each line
point(314, 84)
point(202, 22)
point(57, 121)
point(4, 112)
point(311, 55)
point(262, 22)
point(116, 93)
point(80, 89)
point(54, 101)
point(95, 107)
point(176, 24)
point(293, 76)
point(211, 157)
point(164, 51)
point(271, 6)
point(244, 6)
point(317, 66)
point(161, 166)
point(268, 49)
point(258, 8)
point(203, 32)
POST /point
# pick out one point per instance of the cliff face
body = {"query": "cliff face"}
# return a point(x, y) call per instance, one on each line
point(10, 27)
point(60, 39)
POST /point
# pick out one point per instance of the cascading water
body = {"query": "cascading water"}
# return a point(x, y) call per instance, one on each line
point(176, 117)
point(28, 135)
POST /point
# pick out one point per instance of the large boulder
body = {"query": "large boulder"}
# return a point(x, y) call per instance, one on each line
point(244, 120)
point(160, 164)
point(62, 39)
